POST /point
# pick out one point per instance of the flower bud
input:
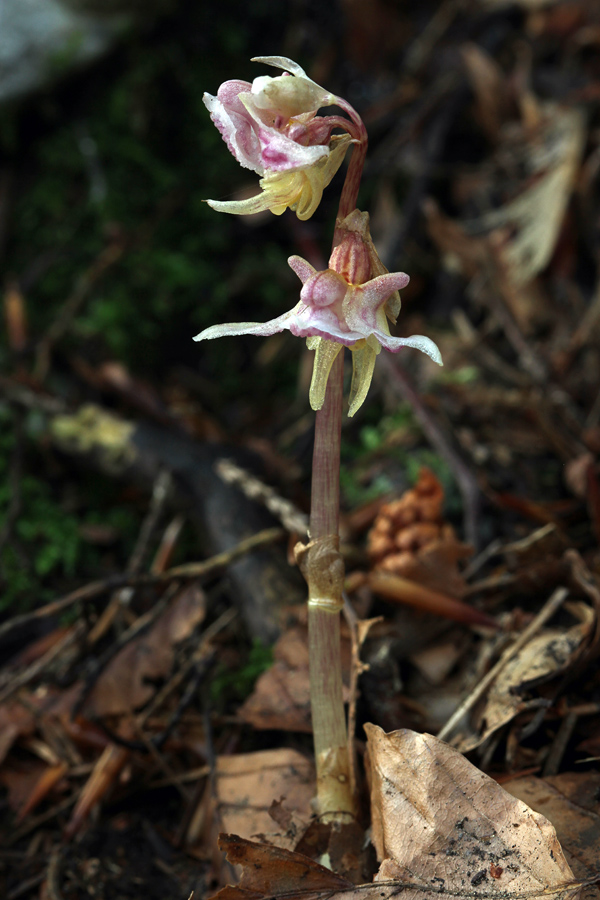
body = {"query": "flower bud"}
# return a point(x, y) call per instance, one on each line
point(351, 259)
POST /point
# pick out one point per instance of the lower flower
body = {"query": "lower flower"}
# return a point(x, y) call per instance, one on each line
point(339, 308)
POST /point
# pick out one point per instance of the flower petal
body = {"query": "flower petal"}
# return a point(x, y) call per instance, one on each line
point(280, 154)
point(325, 356)
point(261, 329)
point(258, 203)
point(290, 95)
point(363, 364)
point(281, 62)
point(307, 321)
point(416, 341)
point(236, 124)
point(301, 267)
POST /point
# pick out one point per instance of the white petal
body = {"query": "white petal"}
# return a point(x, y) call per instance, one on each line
point(261, 329)
point(416, 341)
point(281, 62)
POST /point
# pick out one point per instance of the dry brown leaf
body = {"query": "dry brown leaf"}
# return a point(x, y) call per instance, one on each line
point(106, 771)
point(570, 802)
point(47, 781)
point(245, 786)
point(440, 826)
point(439, 823)
point(536, 215)
point(281, 696)
point(123, 685)
point(15, 721)
point(271, 872)
point(546, 655)
point(489, 85)
point(20, 780)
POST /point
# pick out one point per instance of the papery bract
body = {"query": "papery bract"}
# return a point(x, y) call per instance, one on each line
point(271, 126)
point(334, 311)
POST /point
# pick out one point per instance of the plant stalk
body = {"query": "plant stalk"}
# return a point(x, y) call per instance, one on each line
point(324, 572)
point(323, 567)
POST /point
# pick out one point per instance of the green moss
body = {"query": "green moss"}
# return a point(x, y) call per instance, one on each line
point(45, 546)
point(229, 686)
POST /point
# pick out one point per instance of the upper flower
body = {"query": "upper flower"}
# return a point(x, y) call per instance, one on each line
point(271, 126)
point(348, 304)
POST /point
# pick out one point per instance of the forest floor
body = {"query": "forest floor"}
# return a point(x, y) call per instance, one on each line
point(153, 642)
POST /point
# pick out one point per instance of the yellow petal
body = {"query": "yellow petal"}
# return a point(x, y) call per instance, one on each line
point(363, 364)
point(325, 356)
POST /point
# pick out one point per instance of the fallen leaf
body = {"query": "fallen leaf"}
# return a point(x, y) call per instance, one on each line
point(545, 656)
point(443, 826)
point(440, 826)
point(106, 771)
point(281, 696)
point(537, 213)
point(45, 784)
point(241, 797)
point(20, 780)
point(489, 86)
point(124, 685)
point(15, 721)
point(570, 802)
point(272, 871)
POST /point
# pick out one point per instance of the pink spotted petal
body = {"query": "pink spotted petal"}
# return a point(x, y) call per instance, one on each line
point(237, 126)
point(377, 291)
point(306, 321)
point(302, 268)
point(280, 154)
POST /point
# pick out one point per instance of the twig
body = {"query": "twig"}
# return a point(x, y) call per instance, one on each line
point(34, 823)
point(39, 665)
point(141, 624)
point(52, 876)
point(205, 639)
point(160, 494)
point(467, 484)
point(189, 570)
point(559, 744)
point(356, 669)
point(287, 512)
point(26, 886)
point(546, 612)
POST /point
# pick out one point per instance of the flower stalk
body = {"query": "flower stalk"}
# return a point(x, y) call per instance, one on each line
point(323, 568)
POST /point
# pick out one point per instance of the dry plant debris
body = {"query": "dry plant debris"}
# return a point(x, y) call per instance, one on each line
point(409, 538)
point(441, 825)
point(545, 657)
point(281, 695)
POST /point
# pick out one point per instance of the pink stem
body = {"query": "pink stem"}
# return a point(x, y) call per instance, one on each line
point(334, 789)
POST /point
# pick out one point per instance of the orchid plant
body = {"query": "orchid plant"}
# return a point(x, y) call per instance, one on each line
point(274, 127)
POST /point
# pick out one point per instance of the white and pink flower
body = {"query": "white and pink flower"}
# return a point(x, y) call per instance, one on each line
point(271, 126)
point(346, 305)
